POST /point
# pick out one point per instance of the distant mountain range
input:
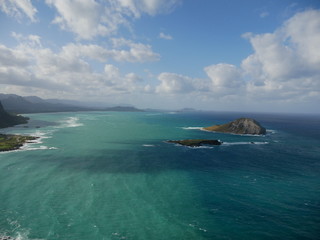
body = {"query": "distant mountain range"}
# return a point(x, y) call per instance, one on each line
point(32, 104)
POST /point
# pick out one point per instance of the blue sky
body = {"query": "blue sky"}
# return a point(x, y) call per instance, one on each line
point(213, 55)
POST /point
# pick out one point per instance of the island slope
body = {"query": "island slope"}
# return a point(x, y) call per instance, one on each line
point(239, 126)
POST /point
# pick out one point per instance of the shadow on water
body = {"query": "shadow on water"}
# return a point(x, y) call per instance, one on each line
point(165, 157)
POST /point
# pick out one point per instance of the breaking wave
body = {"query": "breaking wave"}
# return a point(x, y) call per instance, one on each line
point(192, 128)
point(70, 122)
point(243, 143)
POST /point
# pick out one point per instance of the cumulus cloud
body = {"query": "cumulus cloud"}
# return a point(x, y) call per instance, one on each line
point(11, 57)
point(19, 9)
point(176, 83)
point(225, 78)
point(83, 17)
point(151, 7)
point(28, 65)
point(127, 51)
point(91, 18)
point(284, 66)
point(286, 62)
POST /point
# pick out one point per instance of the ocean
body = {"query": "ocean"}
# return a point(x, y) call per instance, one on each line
point(111, 175)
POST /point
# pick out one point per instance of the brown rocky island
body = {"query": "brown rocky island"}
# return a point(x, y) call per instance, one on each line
point(239, 126)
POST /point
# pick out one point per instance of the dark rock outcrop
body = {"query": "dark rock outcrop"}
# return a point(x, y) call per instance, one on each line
point(239, 126)
point(195, 142)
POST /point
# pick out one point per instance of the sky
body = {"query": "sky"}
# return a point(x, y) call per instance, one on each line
point(218, 55)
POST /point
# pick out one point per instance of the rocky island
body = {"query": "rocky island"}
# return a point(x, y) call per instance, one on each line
point(239, 126)
point(195, 142)
point(9, 142)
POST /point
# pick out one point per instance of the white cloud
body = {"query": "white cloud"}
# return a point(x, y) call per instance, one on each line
point(126, 51)
point(224, 76)
point(165, 36)
point(83, 17)
point(68, 71)
point(91, 18)
point(172, 83)
point(285, 63)
point(11, 57)
point(284, 67)
point(151, 7)
point(136, 52)
point(18, 9)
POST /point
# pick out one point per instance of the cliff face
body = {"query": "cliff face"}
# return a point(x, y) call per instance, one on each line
point(239, 126)
point(8, 120)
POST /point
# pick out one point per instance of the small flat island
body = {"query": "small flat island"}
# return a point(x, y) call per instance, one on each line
point(239, 126)
point(195, 142)
point(10, 142)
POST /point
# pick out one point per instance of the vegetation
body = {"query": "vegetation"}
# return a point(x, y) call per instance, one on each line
point(13, 142)
point(9, 120)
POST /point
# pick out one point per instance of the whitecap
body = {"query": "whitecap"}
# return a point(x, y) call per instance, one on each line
point(271, 131)
point(70, 122)
point(243, 143)
point(192, 128)
point(28, 147)
point(148, 145)
point(201, 147)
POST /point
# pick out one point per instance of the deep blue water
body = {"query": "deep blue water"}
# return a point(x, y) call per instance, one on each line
point(109, 175)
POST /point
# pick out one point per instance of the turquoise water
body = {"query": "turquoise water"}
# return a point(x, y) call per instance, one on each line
point(109, 175)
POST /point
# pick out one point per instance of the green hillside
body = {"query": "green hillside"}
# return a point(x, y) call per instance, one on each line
point(9, 120)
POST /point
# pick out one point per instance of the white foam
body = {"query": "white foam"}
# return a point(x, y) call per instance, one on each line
point(270, 131)
point(192, 128)
point(28, 147)
point(70, 122)
point(243, 143)
point(194, 147)
point(148, 145)
point(199, 147)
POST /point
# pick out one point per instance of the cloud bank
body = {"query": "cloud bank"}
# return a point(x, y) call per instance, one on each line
point(283, 66)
